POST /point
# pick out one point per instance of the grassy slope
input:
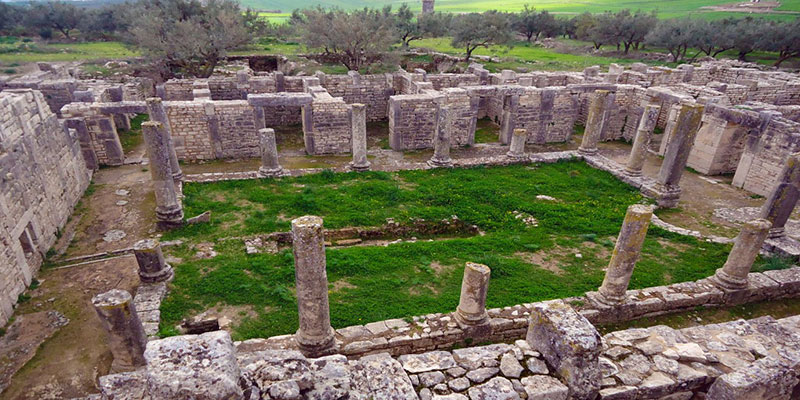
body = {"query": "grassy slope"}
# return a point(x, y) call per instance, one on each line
point(375, 283)
point(666, 9)
point(69, 52)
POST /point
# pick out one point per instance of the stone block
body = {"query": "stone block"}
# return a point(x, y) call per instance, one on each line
point(569, 343)
point(201, 367)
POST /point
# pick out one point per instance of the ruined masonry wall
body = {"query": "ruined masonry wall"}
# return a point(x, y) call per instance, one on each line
point(190, 131)
point(330, 131)
point(43, 176)
point(412, 121)
point(763, 159)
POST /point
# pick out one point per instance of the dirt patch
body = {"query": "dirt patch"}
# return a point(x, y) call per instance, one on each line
point(674, 248)
point(23, 338)
point(761, 7)
point(68, 364)
point(229, 316)
point(440, 269)
point(546, 260)
point(340, 284)
point(103, 210)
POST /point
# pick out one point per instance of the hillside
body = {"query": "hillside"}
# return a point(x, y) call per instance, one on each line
point(666, 8)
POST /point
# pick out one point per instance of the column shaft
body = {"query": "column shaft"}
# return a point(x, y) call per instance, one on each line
point(626, 253)
point(472, 305)
point(681, 140)
point(315, 335)
point(152, 266)
point(517, 148)
point(359, 128)
point(169, 212)
point(595, 122)
point(158, 113)
point(641, 142)
point(733, 275)
point(441, 142)
point(270, 167)
point(127, 339)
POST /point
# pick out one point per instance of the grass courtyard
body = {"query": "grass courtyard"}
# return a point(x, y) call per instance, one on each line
point(562, 254)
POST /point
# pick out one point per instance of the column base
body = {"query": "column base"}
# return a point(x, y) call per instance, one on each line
point(668, 196)
point(470, 320)
point(587, 152)
point(165, 275)
point(316, 346)
point(516, 157)
point(634, 174)
point(271, 172)
point(359, 167)
point(604, 300)
point(726, 282)
point(448, 163)
point(169, 217)
point(776, 233)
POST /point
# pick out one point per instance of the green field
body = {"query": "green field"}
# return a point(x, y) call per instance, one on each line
point(21, 52)
point(666, 9)
point(562, 254)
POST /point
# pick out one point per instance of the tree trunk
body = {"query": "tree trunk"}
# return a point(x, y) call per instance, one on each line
point(743, 55)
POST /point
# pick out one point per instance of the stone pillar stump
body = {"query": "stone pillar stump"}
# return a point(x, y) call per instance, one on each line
point(641, 142)
point(471, 309)
point(595, 122)
point(681, 140)
point(270, 167)
point(169, 212)
point(441, 142)
point(733, 275)
point(315, 334)
point(516, 150)
point(152, 266)
point(359, 125)
point(127, 339)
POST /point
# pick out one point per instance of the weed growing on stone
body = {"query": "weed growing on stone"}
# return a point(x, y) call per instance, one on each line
point(564, 255)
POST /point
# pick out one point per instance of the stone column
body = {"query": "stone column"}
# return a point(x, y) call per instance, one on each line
point(784, 196)
point(158, 113)
point(626, 253)
point(152, 266)
point(680, 145)
point(509, 123)
point(169, 211)
point(733, 275)
point(270, 168)
point(647, 124)
point(127, 340)
point(516, 150)
point(595, 121)
point(315, 334)
point(358, 121)
point(471, 309)
point(441, 142)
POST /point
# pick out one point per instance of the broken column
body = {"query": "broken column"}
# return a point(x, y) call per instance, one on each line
point(315, 334)
point(784, 196)
point(169, 212)
point(127, 340)
point(677, 153)
point(570, 344)
point(647, 124)
point(626, 253)
point(270, 167)
point(595, 121)
point(471, 309)
point(158, 113)
point(441, 142)
point(358, 121)
point(516, 150)
point(152, 266)
point(733, 275)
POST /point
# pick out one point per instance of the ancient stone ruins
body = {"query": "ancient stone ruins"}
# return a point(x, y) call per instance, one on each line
point(716, 118)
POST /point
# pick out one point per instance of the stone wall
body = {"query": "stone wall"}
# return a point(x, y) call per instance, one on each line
point(43, 176)
point(190, 130)
point(548, 115)
point(327, 126)
point(764, 155)
point(413, 121)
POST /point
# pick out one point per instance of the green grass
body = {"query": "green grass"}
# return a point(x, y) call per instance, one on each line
point(668, 9)
point(524, 55)
point(414, 278)
point(28, 52)
point(132, 138)
point(486, 131)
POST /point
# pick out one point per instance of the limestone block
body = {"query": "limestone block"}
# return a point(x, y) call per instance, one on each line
point(569, 343)
point(201, 367)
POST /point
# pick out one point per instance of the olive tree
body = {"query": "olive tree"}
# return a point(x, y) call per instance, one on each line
point(58, 15)
point(471, 31)
point(355, 39)
point(187, 36)
point(410, 28)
